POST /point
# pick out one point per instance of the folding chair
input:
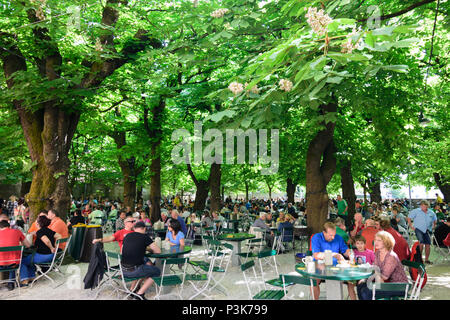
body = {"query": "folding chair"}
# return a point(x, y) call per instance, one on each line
point(443, 253)
point(43, 269)
point(169, 280)
point(288, 280)
point(11, 265)
point(262, 293)
point(255, 246)
point(401, 288)
point(286, 237)
point(116, 274)
point(203, 272)
point(268, 258)
point(418, 283)
point(221, 264)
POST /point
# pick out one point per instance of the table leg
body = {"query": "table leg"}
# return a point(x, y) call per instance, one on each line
point(334, 290)
point(235, 258)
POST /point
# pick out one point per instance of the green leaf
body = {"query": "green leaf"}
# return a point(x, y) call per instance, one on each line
point(333, 26)
point(397, 68)
point(334, 79)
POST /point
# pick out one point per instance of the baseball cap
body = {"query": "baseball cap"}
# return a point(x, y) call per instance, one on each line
point(139, 224)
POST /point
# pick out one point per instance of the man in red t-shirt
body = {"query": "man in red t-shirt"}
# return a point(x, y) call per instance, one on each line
point(119, 235)
point(10, 238)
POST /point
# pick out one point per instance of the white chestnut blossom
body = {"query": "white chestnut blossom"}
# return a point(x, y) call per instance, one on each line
point(236, 87)
point(98, 45)
point(318, 20)
point(285, 85)
point(219, 13)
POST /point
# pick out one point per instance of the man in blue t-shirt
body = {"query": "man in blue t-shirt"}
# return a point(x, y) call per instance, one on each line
point(328, 240)
point(424, 225)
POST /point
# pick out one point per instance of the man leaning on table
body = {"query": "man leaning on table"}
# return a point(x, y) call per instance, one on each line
point(329, 240)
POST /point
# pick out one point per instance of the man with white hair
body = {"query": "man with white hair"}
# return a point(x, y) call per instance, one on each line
point(261, 223)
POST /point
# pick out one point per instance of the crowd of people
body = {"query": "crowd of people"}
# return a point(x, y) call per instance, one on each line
point(377, 234)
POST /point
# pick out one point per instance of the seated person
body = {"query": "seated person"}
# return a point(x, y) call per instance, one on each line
point(134, 263)
point(341, 230)
point(120, 222)
point(328, 240)
point(76, 219)
point(401, 246)
point(391, 269)
point(10, 238)
point(441, 232)
point(45, 250)
point(119, 235)
point(174, 234)
point(286, 223)
point(369, 233)
point(362, 254)
point(261, 223)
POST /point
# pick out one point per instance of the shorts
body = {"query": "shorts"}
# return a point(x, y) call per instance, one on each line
point(143, 271)
point(423, 237)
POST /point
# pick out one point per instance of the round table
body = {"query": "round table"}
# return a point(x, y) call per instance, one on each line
point(173, 252)
point(236, 240)
point(334, 277)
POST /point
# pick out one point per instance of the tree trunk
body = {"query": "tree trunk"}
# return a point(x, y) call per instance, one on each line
point(214, 185)
point(443, 185)
point(319, 172)
point(49, 127)
point(246, 191)
point(290, 190)
point(155, 189)
point(139, 194)
point(348, 189)
point(154, 132)
point(201, 194)
point(25, 188)
point(375, 190)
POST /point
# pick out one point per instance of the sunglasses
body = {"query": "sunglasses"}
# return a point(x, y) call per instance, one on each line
point(133, 221)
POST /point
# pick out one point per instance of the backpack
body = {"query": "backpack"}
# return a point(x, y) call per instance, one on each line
point(416, 256)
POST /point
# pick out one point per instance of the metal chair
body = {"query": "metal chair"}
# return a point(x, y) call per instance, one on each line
point(173, 279)
point(43, 269)
point(401, 288)
point(288, 280)
point(443, 253)
point(11, 265)
point(418, 283)
point(252, 277)
point(116, 274)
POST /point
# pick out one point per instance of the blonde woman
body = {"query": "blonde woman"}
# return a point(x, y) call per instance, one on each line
point(391, 269)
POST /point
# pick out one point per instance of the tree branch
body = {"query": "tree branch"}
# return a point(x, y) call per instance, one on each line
point(401, 12)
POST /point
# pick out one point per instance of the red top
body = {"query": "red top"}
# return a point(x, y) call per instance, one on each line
point(10, 238)
point(120, 235)
point(369, 234)
point(401, 247)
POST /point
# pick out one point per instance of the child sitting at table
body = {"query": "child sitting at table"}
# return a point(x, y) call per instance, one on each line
point(362, 255)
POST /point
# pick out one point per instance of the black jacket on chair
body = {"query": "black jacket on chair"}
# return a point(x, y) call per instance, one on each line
point(97, 267)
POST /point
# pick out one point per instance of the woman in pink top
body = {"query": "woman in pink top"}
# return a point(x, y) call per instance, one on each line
point(391, 269)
